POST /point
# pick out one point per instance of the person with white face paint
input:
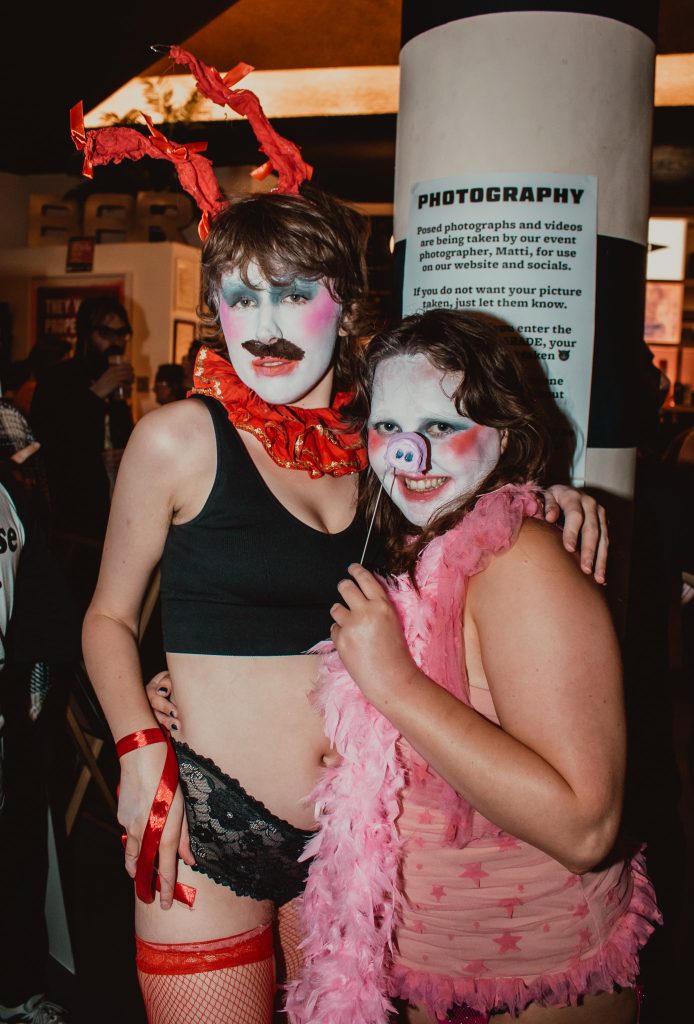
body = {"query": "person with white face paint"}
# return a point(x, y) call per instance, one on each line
point(259, 321)
point(412, 395)
point(250, 553)
point(469, 849)
point(245, 494)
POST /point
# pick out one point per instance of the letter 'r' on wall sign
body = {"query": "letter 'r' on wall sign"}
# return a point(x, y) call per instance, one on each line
point(109, 217)
point(161, 216)
point(52, 220)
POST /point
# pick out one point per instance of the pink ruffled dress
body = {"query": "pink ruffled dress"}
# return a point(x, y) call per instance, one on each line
point(414, 894)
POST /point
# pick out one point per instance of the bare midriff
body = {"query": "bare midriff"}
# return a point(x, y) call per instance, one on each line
point(252, 717)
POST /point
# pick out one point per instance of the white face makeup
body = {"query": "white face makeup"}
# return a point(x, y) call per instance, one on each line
point(412, 396)
point(280, 340)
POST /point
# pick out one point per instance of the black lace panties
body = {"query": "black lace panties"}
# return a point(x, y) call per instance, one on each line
point(234, 838)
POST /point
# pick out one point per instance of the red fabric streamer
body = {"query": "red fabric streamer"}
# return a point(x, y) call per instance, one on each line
point(107, 145)
point(113, 144)
point(182, 893)
point(146, 875)
point(284, 156)
point(141, 738)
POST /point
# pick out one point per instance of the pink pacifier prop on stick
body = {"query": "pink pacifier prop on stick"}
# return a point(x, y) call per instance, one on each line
point(407, 452)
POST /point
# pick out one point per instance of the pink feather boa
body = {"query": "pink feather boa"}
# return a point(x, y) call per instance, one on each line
point(350, 905)
point(348, 908)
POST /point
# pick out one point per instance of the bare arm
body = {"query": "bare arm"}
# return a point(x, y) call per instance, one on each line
point(141, 512)
point(553, 773)
point(150, 486)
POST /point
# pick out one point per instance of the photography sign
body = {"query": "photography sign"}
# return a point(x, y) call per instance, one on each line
point(520, 247)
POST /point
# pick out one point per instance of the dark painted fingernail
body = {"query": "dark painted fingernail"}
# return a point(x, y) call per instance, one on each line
point(174, 727)
point(162, 689)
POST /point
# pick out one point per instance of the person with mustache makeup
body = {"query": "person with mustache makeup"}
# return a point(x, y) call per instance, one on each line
point(245, 496)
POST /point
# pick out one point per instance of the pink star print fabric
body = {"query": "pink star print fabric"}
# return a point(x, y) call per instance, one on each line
point(496, 910)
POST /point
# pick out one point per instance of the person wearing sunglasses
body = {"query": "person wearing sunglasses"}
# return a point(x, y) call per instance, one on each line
point(81, 416)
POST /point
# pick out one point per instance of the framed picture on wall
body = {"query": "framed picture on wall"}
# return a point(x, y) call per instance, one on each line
point(664, 305)
point(55, 302)
point(183, 334)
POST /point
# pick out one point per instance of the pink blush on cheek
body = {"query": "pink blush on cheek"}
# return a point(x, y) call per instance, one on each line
point(321, 314)
point(476, 441)
point(226, 319)
point(376, 444)
point(465, 442)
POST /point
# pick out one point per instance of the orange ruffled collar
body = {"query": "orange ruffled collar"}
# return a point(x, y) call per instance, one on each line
point(313, 440)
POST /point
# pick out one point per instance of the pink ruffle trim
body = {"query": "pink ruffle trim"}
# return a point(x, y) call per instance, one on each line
point(616, 964)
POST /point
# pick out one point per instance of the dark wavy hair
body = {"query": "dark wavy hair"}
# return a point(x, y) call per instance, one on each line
point(495, 390)
point(312, 235)
point(90, 314)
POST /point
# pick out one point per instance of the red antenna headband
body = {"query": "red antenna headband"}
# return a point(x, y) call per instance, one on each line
point(195, 173)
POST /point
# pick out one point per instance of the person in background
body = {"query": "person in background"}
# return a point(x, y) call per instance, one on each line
point(20, 381)
point(80, 411)
point(169, 383)
point(18, 442)
point(39, 645)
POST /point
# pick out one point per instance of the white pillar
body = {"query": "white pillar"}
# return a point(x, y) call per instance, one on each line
point(489, 87)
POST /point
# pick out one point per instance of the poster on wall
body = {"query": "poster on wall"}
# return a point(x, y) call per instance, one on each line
point(56, 303)
point(664, 311)
point(520, 247)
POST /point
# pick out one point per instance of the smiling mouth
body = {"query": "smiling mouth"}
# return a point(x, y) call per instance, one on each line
point(422, 487)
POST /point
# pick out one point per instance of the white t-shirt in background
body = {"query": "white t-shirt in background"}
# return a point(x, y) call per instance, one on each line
point(11, 543)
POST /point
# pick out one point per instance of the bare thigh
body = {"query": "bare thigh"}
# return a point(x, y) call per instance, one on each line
point(607, 1008)
point(217, 913)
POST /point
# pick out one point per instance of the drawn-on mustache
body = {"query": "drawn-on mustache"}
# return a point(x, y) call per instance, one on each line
point(280, 348)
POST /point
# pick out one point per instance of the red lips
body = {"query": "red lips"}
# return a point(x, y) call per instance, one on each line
point(273, 367)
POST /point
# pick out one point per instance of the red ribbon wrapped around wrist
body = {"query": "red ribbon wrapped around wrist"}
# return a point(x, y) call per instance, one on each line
point(146, 875)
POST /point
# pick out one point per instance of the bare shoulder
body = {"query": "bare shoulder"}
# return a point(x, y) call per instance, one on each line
point(180, 432)
point(539, 546)
point(536, 569)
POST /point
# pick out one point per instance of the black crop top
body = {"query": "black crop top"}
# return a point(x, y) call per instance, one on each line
point(245, 577)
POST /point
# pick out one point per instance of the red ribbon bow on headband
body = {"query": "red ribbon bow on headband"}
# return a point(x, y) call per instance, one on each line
point(78, 134)
point(172, 150)
point(104, 145)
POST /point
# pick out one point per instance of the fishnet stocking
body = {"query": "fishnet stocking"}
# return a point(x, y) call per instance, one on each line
point(226, 981)
point(290, 935)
